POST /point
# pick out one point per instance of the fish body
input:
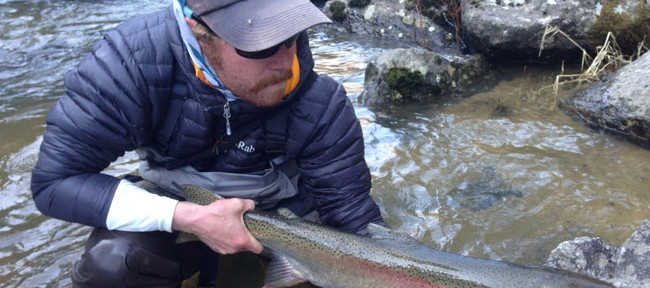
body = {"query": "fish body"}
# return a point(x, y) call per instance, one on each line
point(327, 257)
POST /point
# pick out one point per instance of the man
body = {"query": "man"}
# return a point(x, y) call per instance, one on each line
point(197, 89)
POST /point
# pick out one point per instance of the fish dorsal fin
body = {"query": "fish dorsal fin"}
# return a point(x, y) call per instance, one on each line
point(382, 233)
point(198, 195)
point(280, 273)
point(286, 213)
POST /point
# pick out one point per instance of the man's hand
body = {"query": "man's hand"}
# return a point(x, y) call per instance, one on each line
point(220, 225)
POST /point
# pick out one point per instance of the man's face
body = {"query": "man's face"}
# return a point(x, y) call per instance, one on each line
point(261, 82)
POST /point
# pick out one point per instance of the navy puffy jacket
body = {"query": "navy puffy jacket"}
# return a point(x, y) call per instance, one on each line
point(117, 100)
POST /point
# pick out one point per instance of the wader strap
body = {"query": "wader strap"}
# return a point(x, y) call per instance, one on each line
point(275, 130)
point(275, 133)
point(276, 143)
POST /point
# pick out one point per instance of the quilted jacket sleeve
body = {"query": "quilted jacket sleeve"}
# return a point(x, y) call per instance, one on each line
point(101, 116)
point(332, 162)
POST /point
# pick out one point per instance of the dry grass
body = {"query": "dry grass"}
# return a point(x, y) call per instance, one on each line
point(609, 58)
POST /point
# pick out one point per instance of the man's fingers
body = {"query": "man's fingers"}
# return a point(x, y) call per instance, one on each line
point(229, 234)
point(254, 245)
point(242, 205)
point(249, 205)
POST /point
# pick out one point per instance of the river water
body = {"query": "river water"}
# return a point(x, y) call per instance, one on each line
point(573, 181)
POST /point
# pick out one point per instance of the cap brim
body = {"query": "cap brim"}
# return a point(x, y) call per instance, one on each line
point(257, 25)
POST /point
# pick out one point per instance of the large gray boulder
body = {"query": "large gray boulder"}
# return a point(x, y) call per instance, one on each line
point(513, 29)
point(390, 19)
point(408, 75)
point(627, 266)
point(620, 102)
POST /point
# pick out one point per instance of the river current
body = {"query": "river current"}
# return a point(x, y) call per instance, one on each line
point(573, 181)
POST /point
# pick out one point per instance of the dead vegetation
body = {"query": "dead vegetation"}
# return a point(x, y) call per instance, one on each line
point(453, 9)
point(418, 27)
point(609, 58)
point(451, 12)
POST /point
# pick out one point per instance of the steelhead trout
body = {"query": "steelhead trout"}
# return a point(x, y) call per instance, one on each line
point(306, 251)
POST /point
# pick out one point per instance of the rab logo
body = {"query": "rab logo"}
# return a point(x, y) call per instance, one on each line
point(246, 148)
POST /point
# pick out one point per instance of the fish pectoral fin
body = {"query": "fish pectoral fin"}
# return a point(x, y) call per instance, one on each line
point(378, 231)
point(184, 237)
point(280, 273)
point(382, 233)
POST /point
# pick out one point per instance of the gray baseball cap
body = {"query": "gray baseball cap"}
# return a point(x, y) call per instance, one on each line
point(254, 25)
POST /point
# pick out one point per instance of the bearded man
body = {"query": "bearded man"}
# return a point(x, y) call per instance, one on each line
point(219, 94)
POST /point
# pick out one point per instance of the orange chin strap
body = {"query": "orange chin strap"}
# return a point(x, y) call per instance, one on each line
point(295, 79)
point(291, 83)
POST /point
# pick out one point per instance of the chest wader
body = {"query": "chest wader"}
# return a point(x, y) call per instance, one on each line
point(266, 190)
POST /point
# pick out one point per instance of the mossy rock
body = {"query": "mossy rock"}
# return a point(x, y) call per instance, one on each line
point(339, 11)
point(629, 28)
point(404, 81)
point(403, 76)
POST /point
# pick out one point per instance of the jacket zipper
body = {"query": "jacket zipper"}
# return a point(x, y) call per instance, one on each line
point(226, 114)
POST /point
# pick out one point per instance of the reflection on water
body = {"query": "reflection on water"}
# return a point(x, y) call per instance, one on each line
point(574, 181)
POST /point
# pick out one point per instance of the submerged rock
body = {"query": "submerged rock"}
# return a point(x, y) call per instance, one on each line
point(410, 75)
point(485, 192)
point(513, 29)
point(619, 103)
point(627, 266)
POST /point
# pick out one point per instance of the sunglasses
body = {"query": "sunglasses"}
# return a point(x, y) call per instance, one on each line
point(266, 53)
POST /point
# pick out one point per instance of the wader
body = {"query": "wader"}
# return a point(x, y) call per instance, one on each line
point(153, 259)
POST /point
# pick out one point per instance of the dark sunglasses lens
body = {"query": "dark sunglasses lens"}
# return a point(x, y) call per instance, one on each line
point(268, 52)
point(289, 42)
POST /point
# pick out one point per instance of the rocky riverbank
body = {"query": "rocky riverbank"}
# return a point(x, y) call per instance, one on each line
point(492, 32)
point(627, 266)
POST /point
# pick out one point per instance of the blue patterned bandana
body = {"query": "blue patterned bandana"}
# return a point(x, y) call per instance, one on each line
point(192, 45)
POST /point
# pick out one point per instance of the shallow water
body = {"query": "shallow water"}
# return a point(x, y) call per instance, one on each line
point(574, 181)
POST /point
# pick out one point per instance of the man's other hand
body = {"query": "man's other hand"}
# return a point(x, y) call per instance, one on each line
point(220, 225)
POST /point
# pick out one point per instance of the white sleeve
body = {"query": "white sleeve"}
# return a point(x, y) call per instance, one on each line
point(135, 209)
